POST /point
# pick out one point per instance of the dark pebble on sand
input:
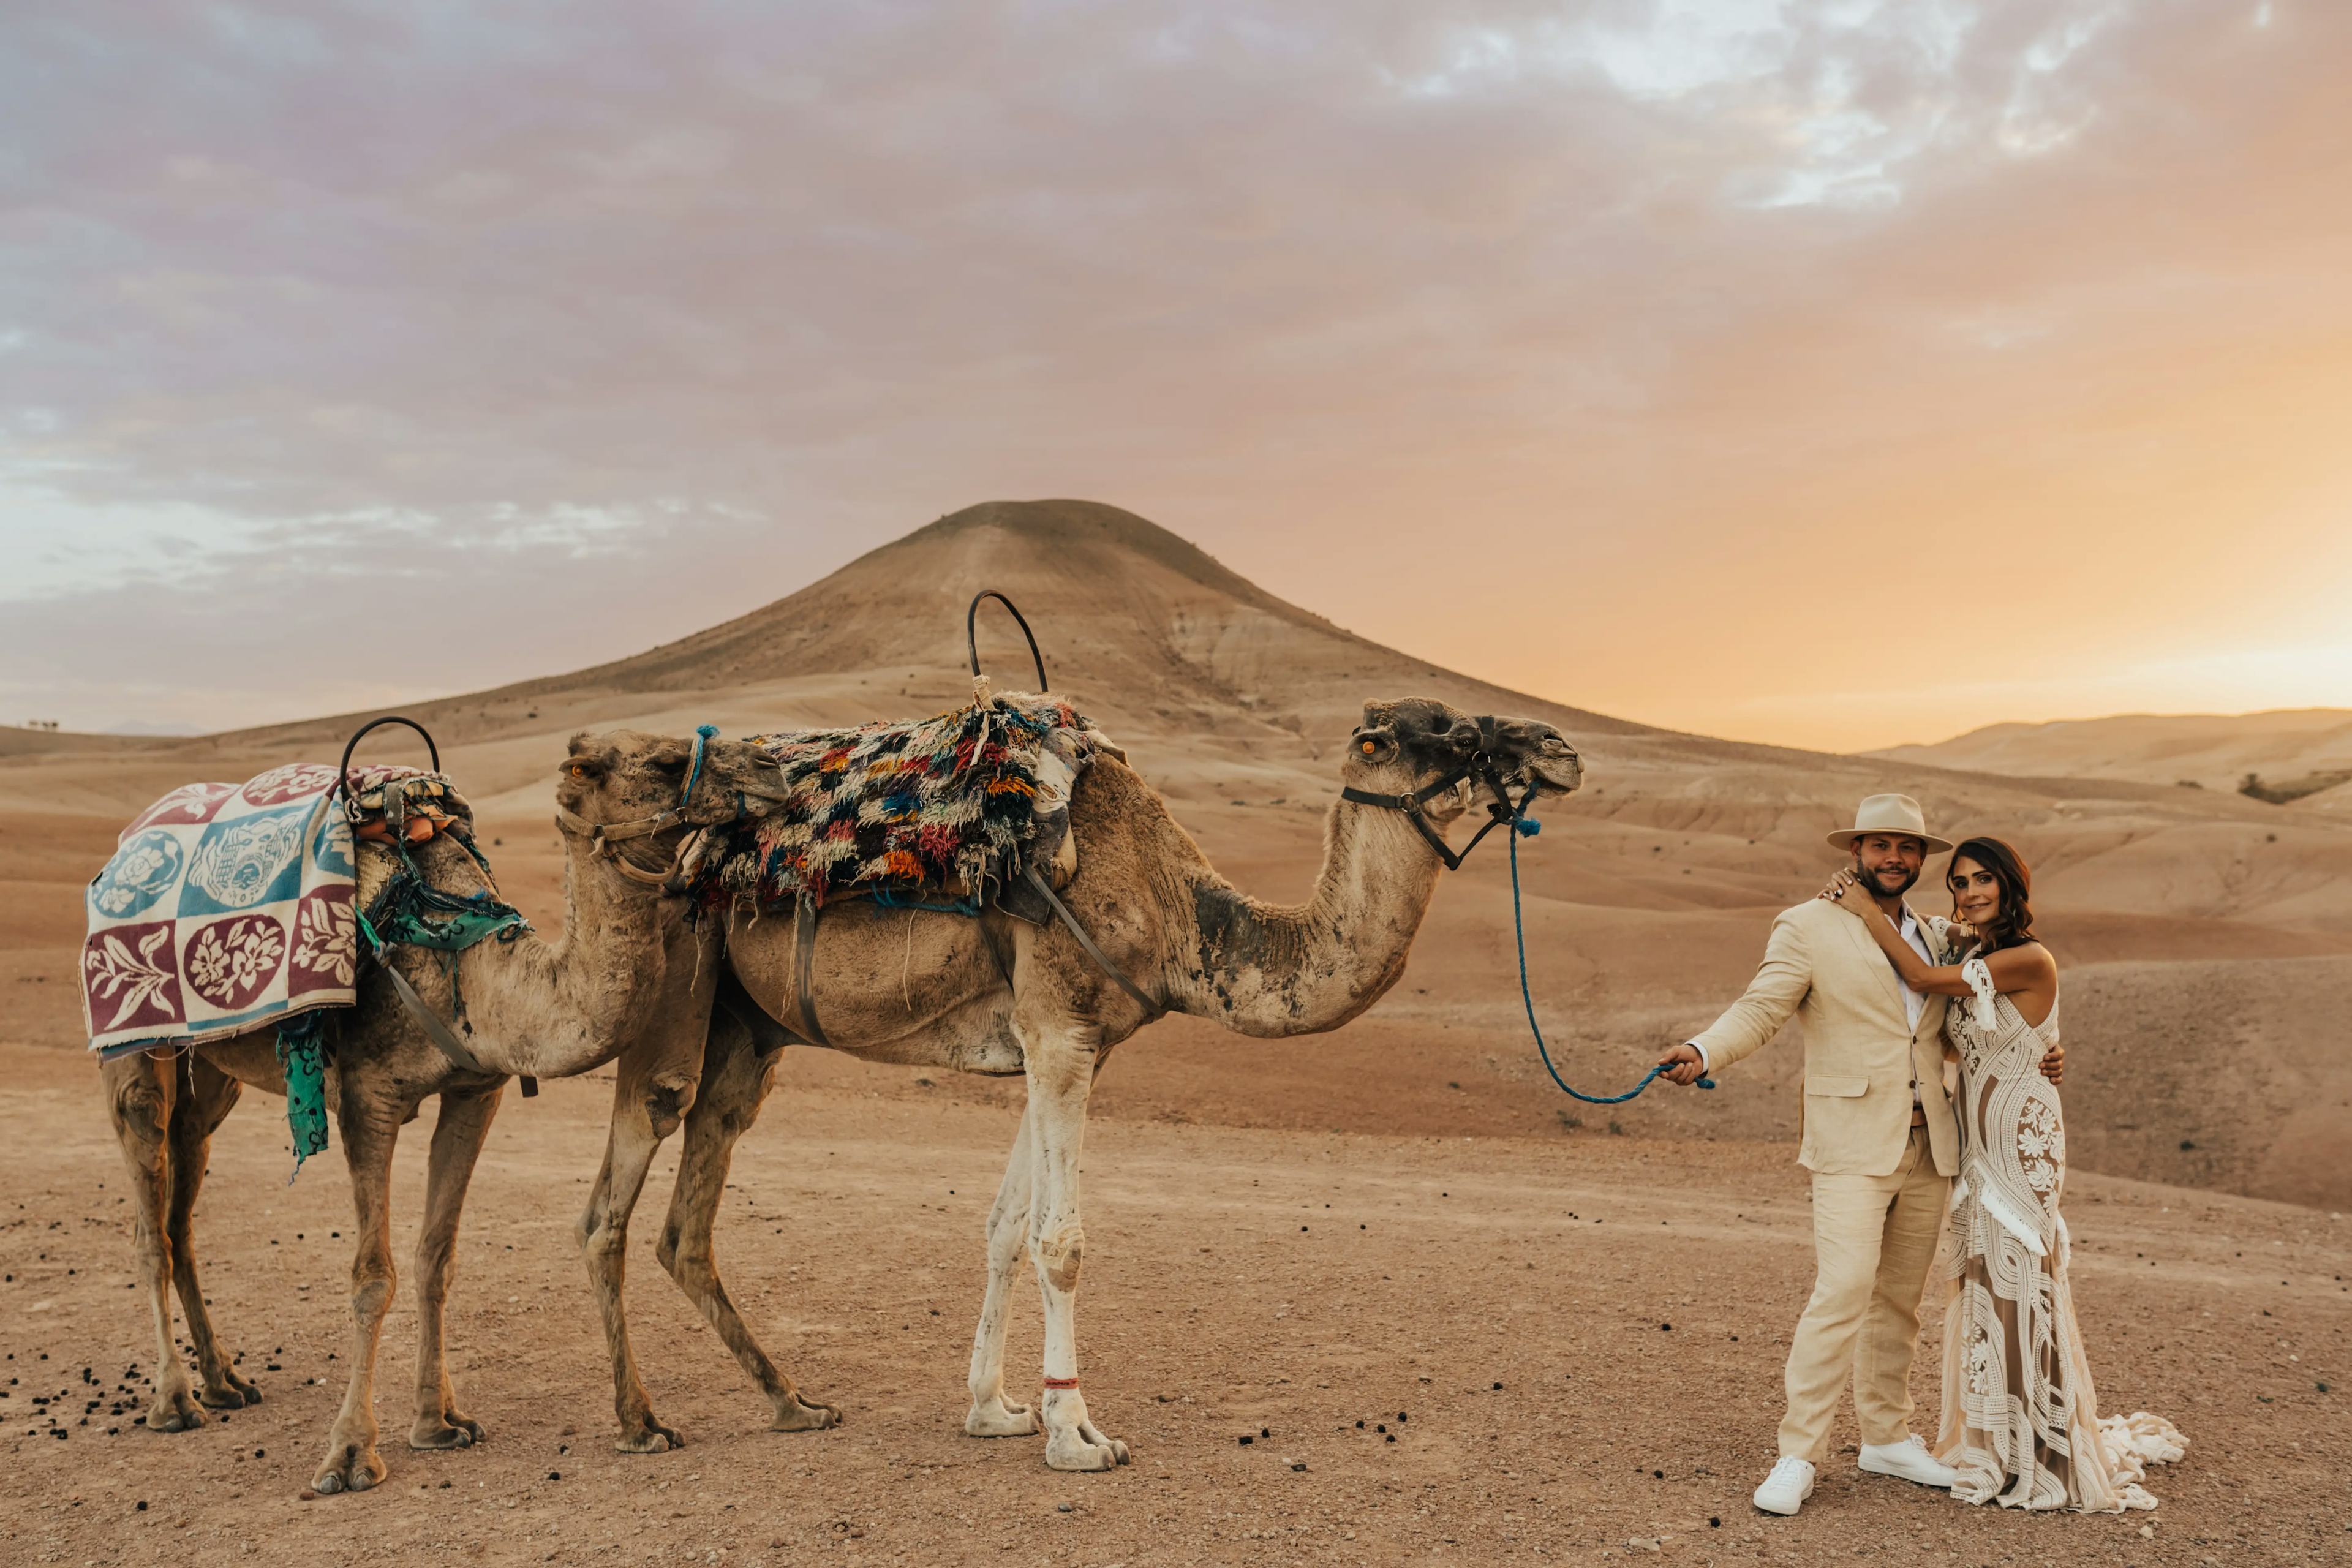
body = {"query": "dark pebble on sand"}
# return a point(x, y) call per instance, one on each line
point(1391, 1437)
point(1714, 1522)
point(1498, 1388)
point(1247, 1439)
point(142, 1506)
point(1265, 1432)
point(555, 1474)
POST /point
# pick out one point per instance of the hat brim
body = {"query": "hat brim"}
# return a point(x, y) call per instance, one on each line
point(1844, 836)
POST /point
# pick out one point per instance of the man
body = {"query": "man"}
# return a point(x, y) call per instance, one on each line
point(1879, 1137)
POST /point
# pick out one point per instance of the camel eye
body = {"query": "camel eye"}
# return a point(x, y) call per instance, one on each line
point(1370, 748)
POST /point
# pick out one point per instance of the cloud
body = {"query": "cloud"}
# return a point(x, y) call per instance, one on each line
point(1672, 307)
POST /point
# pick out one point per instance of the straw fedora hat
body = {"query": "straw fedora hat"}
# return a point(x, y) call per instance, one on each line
point(1897, 814)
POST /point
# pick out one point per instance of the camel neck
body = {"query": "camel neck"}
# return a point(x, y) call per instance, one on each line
point(550, 1009)
point(1275, 970)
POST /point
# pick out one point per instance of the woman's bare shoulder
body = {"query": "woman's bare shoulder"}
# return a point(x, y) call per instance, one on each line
point(2039, 959)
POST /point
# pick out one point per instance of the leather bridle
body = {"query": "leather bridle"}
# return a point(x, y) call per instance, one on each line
point(1481, 766)
point(604, 835)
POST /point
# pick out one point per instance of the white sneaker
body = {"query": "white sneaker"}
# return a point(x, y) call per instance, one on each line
point(1910, 1460)
point(1784, 1491)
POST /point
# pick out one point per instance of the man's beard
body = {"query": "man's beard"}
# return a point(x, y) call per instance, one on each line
point(1871, 881)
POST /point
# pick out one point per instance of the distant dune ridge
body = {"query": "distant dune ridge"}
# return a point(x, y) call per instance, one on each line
point(2207, 937)
point(2213, 750)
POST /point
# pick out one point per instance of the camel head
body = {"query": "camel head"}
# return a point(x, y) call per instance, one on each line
point(1405, 746)
point(617, 778)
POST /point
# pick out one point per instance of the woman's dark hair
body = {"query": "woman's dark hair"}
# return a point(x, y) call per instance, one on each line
point(2012, 926)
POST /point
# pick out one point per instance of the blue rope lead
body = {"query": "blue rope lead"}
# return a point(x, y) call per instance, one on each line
point(1519, 930)
point(703, 735)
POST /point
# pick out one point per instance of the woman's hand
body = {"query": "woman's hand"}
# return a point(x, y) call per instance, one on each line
point(1846, 891)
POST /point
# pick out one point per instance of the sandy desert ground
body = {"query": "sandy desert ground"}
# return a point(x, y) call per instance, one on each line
point(1481, 1229)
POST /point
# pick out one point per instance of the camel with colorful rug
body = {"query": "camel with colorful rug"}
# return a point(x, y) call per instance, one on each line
point(224, 950)
point(995, 892)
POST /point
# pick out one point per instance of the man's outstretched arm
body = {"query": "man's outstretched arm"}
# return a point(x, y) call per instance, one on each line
point(1771, 1000)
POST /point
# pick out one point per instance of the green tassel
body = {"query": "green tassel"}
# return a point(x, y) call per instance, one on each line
point(302, 1053)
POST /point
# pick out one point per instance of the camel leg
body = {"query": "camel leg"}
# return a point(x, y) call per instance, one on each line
point(457, 1135)
point(735, 1082)
point(991, 1414)
point(207, 1096)
point(654, 1089)
point(140, 1092)
point(369, 1133)
point(1060, 1063)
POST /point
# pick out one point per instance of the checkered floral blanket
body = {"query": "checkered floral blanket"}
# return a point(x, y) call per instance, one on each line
point(226, 906)
point(945, 807)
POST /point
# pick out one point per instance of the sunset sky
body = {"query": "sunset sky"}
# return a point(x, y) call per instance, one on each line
point(1836, 374)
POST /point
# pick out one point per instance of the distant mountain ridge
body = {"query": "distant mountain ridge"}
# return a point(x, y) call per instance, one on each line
point(2213, 751)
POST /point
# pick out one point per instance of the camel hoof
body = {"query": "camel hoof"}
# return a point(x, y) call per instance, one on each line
point(1080, 1455)
point(801, 1415)
point(1084, 1448)
point(352, 1469)
point(174, 1412)
point(452, 1431)
point(232, 1393)
point(652, 1438)
point(1001, 1419)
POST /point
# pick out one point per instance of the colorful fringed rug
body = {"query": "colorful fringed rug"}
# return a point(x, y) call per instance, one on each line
point(938, 810)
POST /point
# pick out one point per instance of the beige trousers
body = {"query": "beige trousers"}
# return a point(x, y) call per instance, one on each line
point(1874, 1241)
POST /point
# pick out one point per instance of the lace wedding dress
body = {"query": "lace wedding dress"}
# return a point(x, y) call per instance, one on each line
point(2021, 1419)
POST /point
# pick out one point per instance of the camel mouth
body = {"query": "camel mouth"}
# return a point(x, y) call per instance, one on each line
point(1553, 767)
point(1555, 776)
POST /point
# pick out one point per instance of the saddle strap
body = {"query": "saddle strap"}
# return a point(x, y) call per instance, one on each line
point(439, 1033)
point(805, 971)
point(1102, 959)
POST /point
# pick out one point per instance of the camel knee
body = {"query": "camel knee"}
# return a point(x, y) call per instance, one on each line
point(143, 1111)
point(435, 1264)
point(371, 1293)
point(666, 1102)
point(1059, 1255)
point(600, 1237)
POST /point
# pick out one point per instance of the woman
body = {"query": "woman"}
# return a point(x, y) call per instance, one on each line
point(2021, 1416)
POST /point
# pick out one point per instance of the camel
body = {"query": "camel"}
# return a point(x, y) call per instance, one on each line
point(994, 995)
point(628, 975)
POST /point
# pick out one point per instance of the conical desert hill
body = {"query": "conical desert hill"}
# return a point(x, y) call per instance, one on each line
point(1649, 892)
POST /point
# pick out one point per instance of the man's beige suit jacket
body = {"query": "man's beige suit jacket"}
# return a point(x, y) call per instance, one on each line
point(1861, 1054)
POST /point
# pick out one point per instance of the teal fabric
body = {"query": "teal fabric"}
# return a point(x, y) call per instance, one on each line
point(407, 911)
point(411, 911)
point(302, 1053)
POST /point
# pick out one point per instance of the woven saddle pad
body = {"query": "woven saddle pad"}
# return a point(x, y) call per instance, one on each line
point(942, 812)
